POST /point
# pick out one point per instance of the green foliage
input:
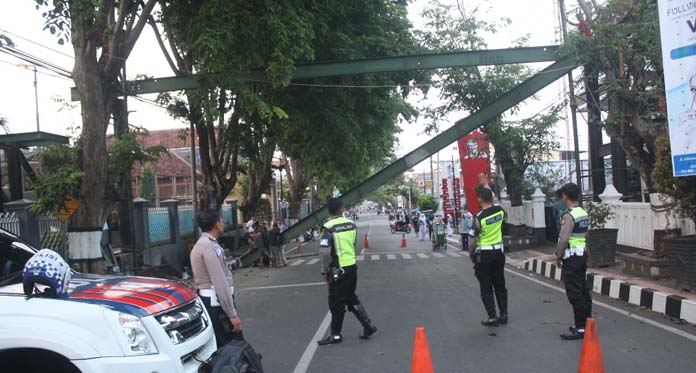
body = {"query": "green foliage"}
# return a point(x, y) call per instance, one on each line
point(60, 177)
point(147, 185)
point(427, 202)
point(545, 177)
point(681, 189)
point(599, 214)
point(628, 32)
point(126, 151)
point(263, 210)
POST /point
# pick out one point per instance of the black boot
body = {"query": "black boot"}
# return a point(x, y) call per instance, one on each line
point(368, 328)
point(491, 321)
point(330, 339)
point(502, 299)
point(503, 318)
point(573, 335)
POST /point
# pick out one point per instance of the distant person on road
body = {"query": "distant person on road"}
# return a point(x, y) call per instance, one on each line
point(422, 226)
point(276, 248)
point(340, 271)
point(213, 280)
point(559, 208)
point(571, 255)
point(464, 227)
point(250, 225)
point(486, 251)
point(430, 222)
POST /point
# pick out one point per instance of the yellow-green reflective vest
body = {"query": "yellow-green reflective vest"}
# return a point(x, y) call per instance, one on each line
point(344, 234)
point(580, 228)
point(491, 220)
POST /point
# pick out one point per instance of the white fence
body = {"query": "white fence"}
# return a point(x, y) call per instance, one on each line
point(637, 223)
point(9, 222)
point(531, 213)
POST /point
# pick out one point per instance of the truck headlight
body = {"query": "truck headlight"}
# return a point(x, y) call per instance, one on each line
point(137, 338)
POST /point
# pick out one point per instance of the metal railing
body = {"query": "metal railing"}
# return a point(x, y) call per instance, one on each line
point(158, 225)
point(227, 219)
point(54, 234)
point(186, 221)
point(9, 222)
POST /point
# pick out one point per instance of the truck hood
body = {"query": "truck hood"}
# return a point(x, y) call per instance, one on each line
point(138, 296)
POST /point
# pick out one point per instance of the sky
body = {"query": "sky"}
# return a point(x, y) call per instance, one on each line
point(23, 23)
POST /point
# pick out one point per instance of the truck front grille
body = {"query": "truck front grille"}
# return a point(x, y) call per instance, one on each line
point(183, 323)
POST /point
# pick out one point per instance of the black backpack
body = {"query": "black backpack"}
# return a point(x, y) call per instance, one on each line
point(235, 357)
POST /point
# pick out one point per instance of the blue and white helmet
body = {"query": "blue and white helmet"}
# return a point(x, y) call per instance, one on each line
point(46, 268)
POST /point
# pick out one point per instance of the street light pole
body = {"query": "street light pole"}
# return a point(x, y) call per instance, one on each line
point(454, 191)
point(36, 99)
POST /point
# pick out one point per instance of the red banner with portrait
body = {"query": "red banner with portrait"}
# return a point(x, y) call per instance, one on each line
point(475, 155)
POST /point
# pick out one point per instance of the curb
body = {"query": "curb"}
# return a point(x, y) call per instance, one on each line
point(671, 305)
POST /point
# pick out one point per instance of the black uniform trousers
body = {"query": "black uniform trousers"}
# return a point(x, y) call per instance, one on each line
point(342, 297)
point(489, 268)
point(577, 288)
point(222, 326)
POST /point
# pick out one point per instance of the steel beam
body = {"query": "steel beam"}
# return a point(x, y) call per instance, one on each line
point(362, 66)
point(452, 134)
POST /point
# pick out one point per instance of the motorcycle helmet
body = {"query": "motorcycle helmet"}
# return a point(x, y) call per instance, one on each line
point(46, 274)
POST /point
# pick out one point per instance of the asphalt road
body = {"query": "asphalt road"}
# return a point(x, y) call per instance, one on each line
point(285, 310)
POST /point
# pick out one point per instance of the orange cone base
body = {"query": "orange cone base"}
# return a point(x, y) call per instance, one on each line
point(591, 356)
point(421, 362)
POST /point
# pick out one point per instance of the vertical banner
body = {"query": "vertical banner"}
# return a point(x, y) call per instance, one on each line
point(678, 35)
point(475, 157)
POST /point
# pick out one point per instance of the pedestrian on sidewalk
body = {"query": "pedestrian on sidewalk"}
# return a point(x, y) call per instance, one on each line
point(486, 251)
point(277, 248)
point(416, 223)
point(340, 271)
point(450, 225)
point(571, 255)
point(431, 221)
point(213, 280)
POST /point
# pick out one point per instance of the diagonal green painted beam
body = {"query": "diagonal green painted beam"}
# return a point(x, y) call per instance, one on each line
point(439, 142)
point(369, 65)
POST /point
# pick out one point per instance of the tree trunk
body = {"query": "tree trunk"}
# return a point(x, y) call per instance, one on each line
point(298, 179)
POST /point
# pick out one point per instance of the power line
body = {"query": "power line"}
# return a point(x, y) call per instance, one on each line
point(38, 71)
point(36, 43)
point(33, 60)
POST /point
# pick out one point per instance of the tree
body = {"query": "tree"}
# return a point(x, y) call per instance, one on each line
point(103, 35)
point(518, 144)
point(624, 50)
point(427, 202)
point(682, 190)
point(231, 118)
point(147, 185)
point(359, 112)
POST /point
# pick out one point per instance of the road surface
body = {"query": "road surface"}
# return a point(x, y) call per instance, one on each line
point(285, 311)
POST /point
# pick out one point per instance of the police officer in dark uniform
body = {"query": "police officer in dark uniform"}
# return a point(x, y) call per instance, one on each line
point(486, 251)
point(338, 263)
point(571, 255)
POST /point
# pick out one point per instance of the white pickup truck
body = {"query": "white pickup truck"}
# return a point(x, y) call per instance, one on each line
point(105, 324)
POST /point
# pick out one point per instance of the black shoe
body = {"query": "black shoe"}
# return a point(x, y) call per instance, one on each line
point(491, 321)
point(572, 329)
point(573, 335)
point(368, 328)
point(503, 318)
point(330, 340)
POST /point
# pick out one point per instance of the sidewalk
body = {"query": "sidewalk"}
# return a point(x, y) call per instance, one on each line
point(661, 296)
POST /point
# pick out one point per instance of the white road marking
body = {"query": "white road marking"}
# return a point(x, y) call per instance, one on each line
point(312, 261)
point(391, 256)
point(297, 262)
point(612, 308)
point(283, 286)
point(311, 349)
point(422, 256)
point(453, 241)
point(456, 255)
point(360, 258)
point(438, 255)
point(374, 257)
point(406, 256)
point(289, 250)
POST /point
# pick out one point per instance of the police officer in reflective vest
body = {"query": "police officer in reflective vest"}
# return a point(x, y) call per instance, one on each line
point(486, 251)
point(571, 255)
point(338, 263)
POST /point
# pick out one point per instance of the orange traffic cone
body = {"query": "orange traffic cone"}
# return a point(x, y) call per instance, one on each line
point(299, 246)
point(421, 362)
point(366, 245)
point(591, 355)
point(403, 241)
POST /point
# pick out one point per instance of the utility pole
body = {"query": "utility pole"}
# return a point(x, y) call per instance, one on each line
point(432, 178)
point(36, 99)
point(194, 186)
point(573, 104)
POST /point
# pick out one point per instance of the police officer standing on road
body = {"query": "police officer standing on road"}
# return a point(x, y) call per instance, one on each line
point(571, 255)
point(338, 263)
point(486, 251)
point(213, 280)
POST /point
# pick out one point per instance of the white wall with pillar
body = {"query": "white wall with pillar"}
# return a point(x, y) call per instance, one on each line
point(530, 214)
